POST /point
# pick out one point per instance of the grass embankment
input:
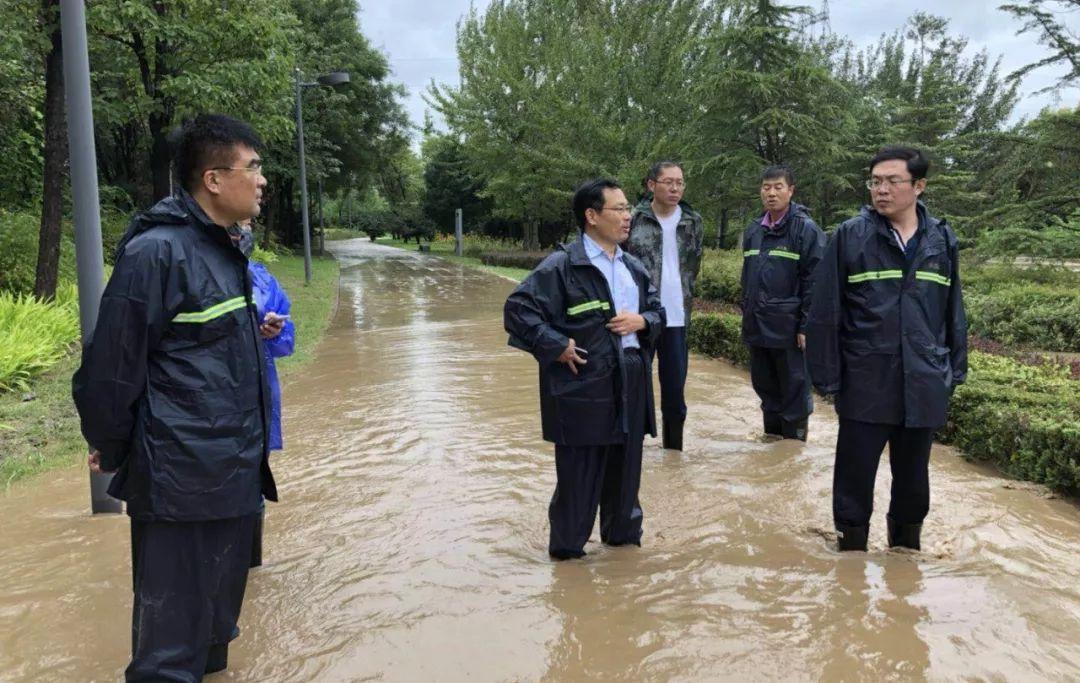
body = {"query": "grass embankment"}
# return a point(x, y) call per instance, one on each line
point(1018, 415)
point(39, 429)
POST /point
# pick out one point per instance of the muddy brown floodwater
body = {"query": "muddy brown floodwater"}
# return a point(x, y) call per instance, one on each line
point(411, 541)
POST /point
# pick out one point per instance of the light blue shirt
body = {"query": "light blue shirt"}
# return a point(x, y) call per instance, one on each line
point(620, 282)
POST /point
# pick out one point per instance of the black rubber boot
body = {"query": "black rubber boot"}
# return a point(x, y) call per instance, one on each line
point(903, 535)
point(673, 435)
point(256, 543)
point(566, 554)
point(773, 424)
point(851, 537)
point(218, 658)
point(794, 430)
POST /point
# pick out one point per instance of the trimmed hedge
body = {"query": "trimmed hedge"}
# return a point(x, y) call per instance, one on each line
point(719, 280)
point(513, 259)
point(1023, 418)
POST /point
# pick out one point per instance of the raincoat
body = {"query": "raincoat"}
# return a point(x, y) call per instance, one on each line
point(172, 388)
point(566, 296)
point(777, 278)
point(269, 296)
point(887, 336)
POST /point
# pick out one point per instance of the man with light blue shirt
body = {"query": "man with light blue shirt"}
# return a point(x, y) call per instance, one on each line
point(591, 318)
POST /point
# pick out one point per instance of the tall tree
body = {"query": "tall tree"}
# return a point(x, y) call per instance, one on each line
point(1047, 19)
point(55, 156)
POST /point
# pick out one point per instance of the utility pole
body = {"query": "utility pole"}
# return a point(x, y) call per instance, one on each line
point(89, 259)
point(459, 239)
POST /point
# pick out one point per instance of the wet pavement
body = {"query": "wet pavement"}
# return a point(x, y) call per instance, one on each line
point(411, 541)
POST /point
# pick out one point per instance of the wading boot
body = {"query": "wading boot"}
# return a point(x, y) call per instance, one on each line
point(851, 537)
point(903, 535)
point(773, 424)
point(256, 543)
point(794, 430)
point(218, 658)
point(673, 435)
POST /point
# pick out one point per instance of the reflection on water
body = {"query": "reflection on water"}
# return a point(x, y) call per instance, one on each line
point(411, 540)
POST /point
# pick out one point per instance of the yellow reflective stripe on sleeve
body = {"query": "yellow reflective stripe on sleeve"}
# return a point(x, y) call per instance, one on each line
point(215, 311)
point(783, 253)
point(588, 306)
point(876, 275)
point(931, 276)
point(751, 252)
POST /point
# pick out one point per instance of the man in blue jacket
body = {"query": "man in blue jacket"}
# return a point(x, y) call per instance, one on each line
point(780, 252)
point(591, 318)
point(172, 396)
point(888, 336)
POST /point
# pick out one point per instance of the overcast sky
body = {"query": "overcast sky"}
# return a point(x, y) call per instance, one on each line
point(418, 38)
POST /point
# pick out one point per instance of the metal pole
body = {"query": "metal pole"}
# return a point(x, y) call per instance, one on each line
point(303, 180)
point(459, 240)
point(322, 226)
point(89, 259)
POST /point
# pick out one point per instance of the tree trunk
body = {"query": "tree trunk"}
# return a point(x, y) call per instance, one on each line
point(55, 153)
point(721, 228)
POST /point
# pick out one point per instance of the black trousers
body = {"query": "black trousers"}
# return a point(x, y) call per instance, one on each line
point(858, 450)
point(782, 382)
point(673, 356)
point(606, 476)
point(189, 580)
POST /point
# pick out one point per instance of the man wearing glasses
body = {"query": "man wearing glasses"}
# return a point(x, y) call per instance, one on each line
point(781, 249)
point(591, 318)
point(173, 397)
point(667, 234)
point(888, 336)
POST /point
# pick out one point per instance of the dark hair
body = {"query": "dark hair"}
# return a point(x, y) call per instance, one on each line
point(656, 169)
point(208, 141)
point(917, 163)
point(778, 171)
point(590, 195)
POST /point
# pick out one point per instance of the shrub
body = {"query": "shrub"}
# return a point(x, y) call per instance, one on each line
point(719, 335)
point(19, 251)
point(720, 276)
point(1044, 317)
point(513, 259)
point(1021, 417)
point(35, 335)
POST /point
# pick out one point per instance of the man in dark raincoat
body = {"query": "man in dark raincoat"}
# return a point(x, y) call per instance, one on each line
point(887, 334)
point(667, 235)
point(591, 318)
point(781, 249)
point(172, 396)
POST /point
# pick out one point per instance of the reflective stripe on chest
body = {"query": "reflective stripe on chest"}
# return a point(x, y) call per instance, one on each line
point(215, 311)
point(781, 253)
point(588, 306)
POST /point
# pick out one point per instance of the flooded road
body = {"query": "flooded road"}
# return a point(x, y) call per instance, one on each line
point(411, 543)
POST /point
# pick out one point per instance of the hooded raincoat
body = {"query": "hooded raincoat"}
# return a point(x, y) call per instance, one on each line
point(270, 296)
point(566, 296)
point(888, 335)
point(172, 388)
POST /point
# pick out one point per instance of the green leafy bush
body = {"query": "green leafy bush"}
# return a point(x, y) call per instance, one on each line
point(35, 335)
point(1021, 417)
point(1044, 317)
point(719, 335)
point(720, 276)
point(19, 251)
point(513, 259)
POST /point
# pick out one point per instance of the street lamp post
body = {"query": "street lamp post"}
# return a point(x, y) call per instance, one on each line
point(84, 194)
point(331, 79)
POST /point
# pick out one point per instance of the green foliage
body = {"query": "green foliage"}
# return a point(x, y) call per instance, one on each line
point(1047, 19)
point(450, 184)
point(1020, 417)
point(34, 335)
point(513, 259)
point(720, 277)
point(1043, 317)
point(718, 335)
point(19, 250)
point(1053, 243)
